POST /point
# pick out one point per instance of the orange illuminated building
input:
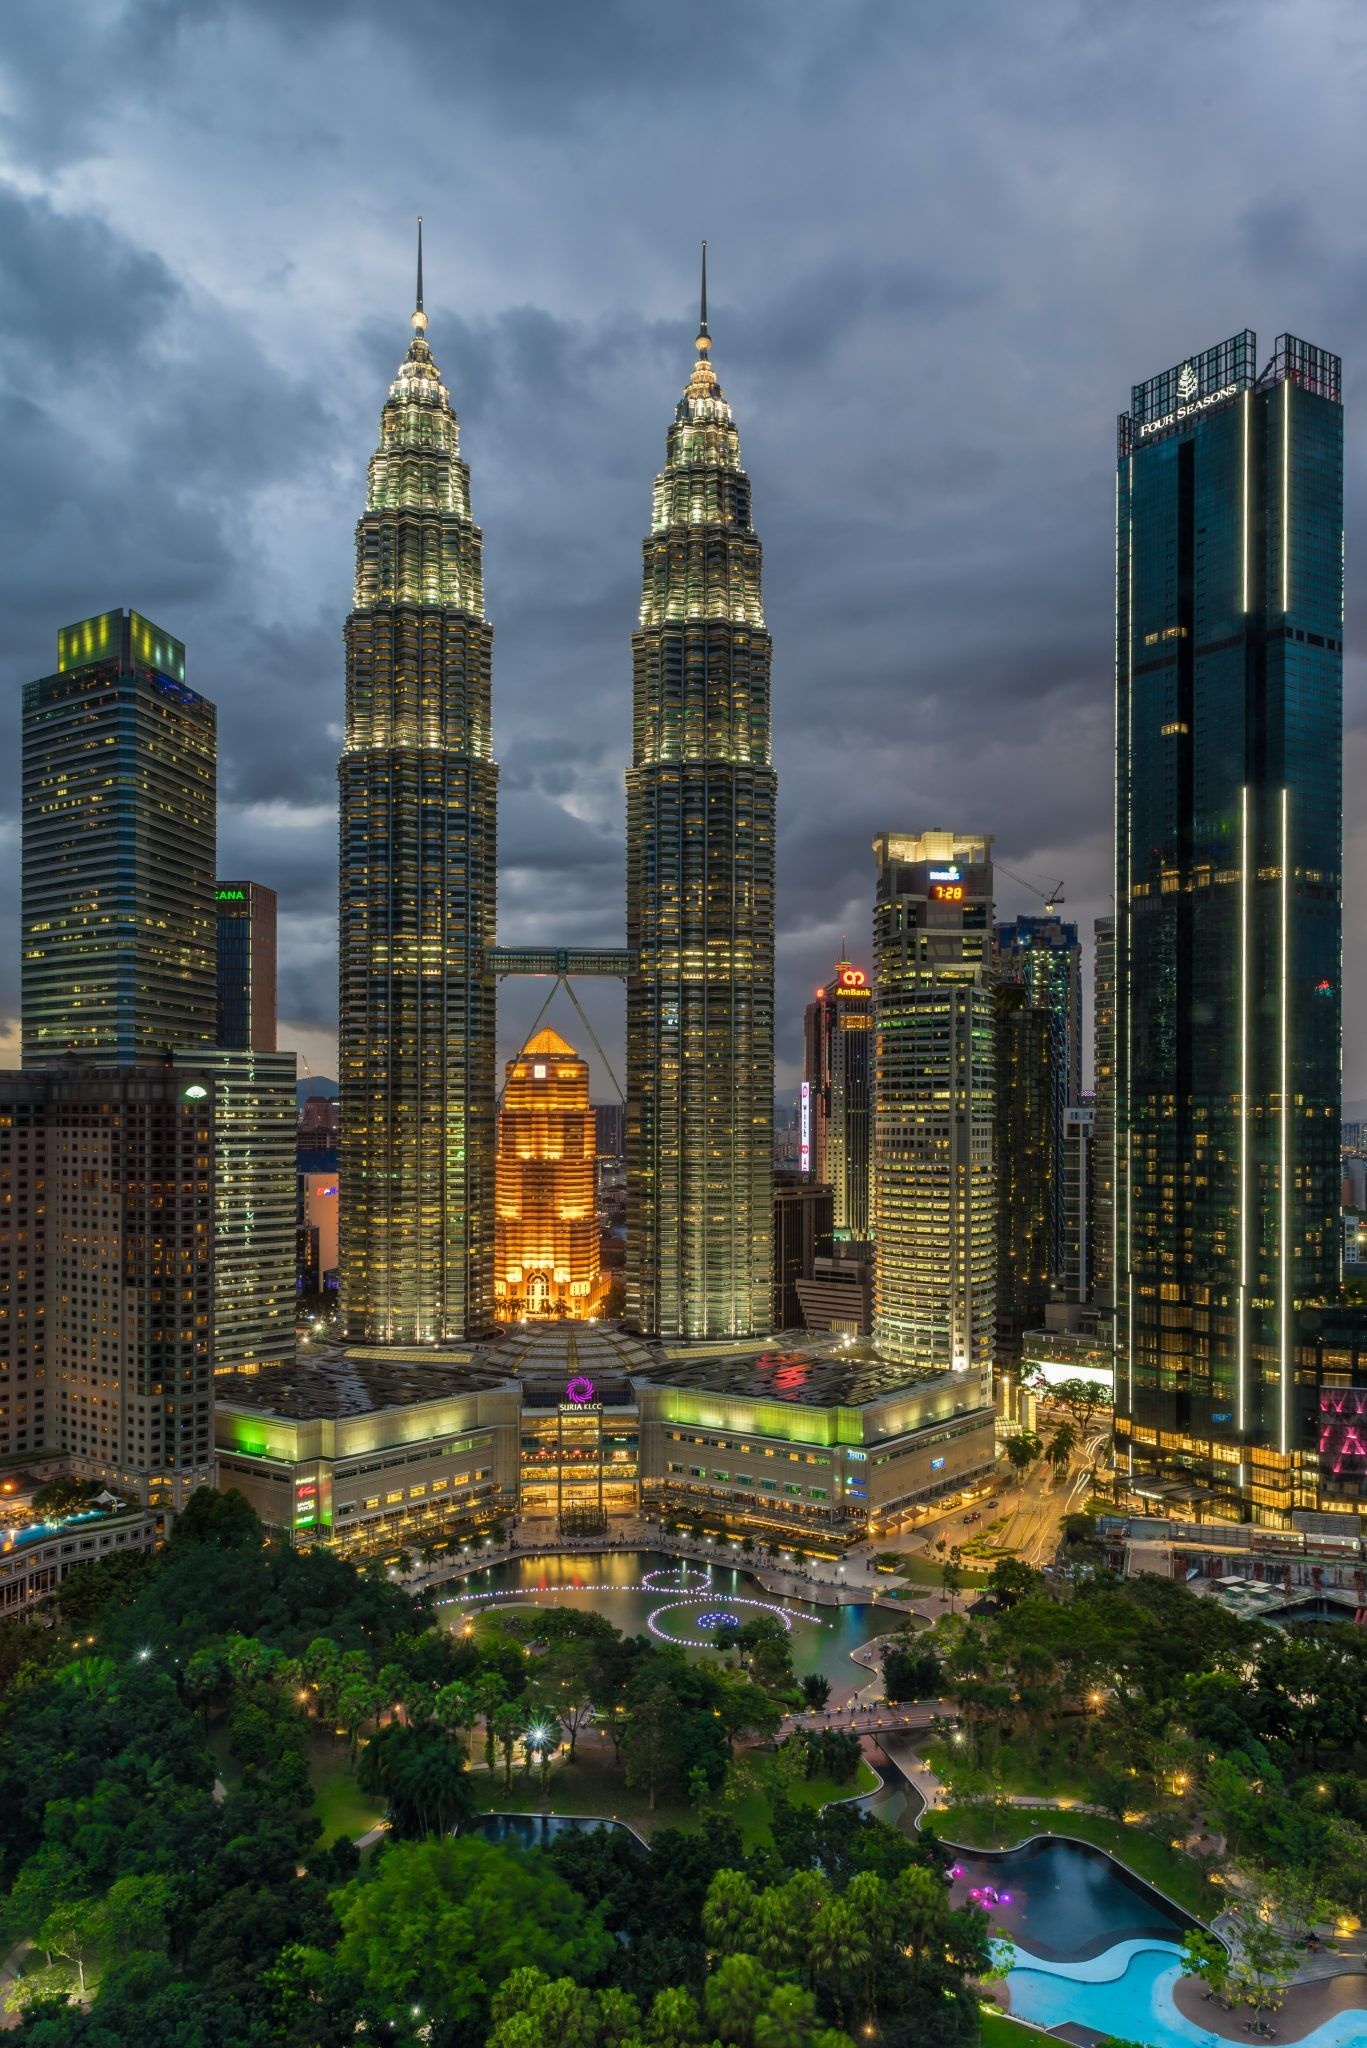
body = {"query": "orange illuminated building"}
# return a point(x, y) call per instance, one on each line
point(546, 1229)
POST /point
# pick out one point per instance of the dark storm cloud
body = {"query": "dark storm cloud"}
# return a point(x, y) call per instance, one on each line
point(946, 242)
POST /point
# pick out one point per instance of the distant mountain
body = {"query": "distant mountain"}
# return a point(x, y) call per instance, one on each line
point(317, 1085)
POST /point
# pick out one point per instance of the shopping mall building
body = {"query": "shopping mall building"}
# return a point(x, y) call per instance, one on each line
point(797, 1438)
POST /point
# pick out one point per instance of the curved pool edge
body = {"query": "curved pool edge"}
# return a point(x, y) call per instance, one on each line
point(587, 1821)
point(1165, 2025)
point(1081, 1842)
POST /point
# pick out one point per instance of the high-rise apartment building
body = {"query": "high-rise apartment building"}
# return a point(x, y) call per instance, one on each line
point(1079, 1202)
point(1043, 955)
point(23, 1263)
point(1027, 1162)
point(246, 914)
point(838, 1066)
point(700, 896)
point(118, 826)
point(1229, 818)
point(109, 1240)
point(255, 1205)
point(546, 1233)
point(1102, 1255)
point(418, 797)
point(934, 1213)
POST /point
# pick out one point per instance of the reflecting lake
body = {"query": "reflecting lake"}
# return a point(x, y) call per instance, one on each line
point(1064, 1901)
point(683, 1601)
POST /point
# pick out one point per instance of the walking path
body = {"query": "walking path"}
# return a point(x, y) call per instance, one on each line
point(1306, 2007)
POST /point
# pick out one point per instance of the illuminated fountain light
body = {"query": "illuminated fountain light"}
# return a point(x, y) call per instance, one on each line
point(717, 1618)
point(666, 1581)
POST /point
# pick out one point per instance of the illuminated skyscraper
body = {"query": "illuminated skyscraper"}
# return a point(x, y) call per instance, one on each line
point(1028, 1168)
point(1042, 955)
point(700, 896)
point(1102, 1258)
point(934, 1215)
point(418, 801)
point(119, 767)
point(838, 1038)
point(546, 1236)
point(246, 913)
point(1229, 822)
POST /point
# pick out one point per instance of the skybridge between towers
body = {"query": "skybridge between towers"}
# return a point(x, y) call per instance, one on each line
point(565, 964)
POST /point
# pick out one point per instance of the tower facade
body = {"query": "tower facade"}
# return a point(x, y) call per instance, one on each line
point(546, 1236)
point(1028, 1167)
point(838, 1046)
point(700, 896)
point(246, 913)
point(934, 1215)
point(1227, 943)
point(1101, 1259)
point(119, 774)
point(418, 800)
point(1043, 956)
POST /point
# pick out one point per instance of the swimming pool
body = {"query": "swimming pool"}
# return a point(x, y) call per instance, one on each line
point(1128, 1992)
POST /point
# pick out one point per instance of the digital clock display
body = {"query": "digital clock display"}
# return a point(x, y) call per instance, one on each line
point(947, 892)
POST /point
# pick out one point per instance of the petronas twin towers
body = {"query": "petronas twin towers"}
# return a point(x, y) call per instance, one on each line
point(419, 883)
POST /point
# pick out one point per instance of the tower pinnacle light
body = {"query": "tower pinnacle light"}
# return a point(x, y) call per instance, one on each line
point(700, 894)
point(418, 799)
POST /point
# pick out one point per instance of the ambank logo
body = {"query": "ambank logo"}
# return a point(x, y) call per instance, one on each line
point(1187, 382)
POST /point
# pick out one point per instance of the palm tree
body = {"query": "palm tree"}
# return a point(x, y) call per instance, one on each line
point(728, 1911)
point(816, 1690)
point(840, 1949)
point(1062, 1444)
point(489, 1693)
point(507, 1725)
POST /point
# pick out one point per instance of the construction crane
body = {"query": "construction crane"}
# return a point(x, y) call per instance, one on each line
point(1050, 897)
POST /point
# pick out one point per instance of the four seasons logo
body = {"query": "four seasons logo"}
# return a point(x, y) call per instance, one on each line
point(1187, 381)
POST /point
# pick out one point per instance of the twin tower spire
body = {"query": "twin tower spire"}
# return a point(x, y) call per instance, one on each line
point(418, 787)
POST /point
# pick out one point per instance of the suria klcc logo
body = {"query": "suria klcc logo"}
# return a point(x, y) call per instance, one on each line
point(1187, 383)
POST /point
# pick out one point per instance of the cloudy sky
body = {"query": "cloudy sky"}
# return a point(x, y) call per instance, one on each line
point(945, 240)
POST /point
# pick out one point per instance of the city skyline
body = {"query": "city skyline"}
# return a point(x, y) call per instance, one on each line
point(559, 345)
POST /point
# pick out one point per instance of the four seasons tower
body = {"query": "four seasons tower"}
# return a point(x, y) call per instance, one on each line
point(418, 799)
point(700, 895)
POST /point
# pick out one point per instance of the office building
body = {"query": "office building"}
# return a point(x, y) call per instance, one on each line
point(1102, 1259)
point(1229, 820)
point(255, 1200)
point(1026, 1162)
point(836, 1107)
point(246, 913)
point(804, 1217)
point(117, 889)
point(934, 1216)
point(1079, 1201)
point(1043, 956)
point(418, 792)
point(700, 896)
point(838, 1293)
point(610, 1121)
point(546, 1232)
point(110, 1248)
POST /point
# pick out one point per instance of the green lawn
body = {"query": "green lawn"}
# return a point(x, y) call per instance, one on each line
point(751, 1814)
point(338, 1800)
point(928, 1571)
point(1001, 2031)
point(1168, 1869)
point(594, 1784)
point(1020, 1769)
